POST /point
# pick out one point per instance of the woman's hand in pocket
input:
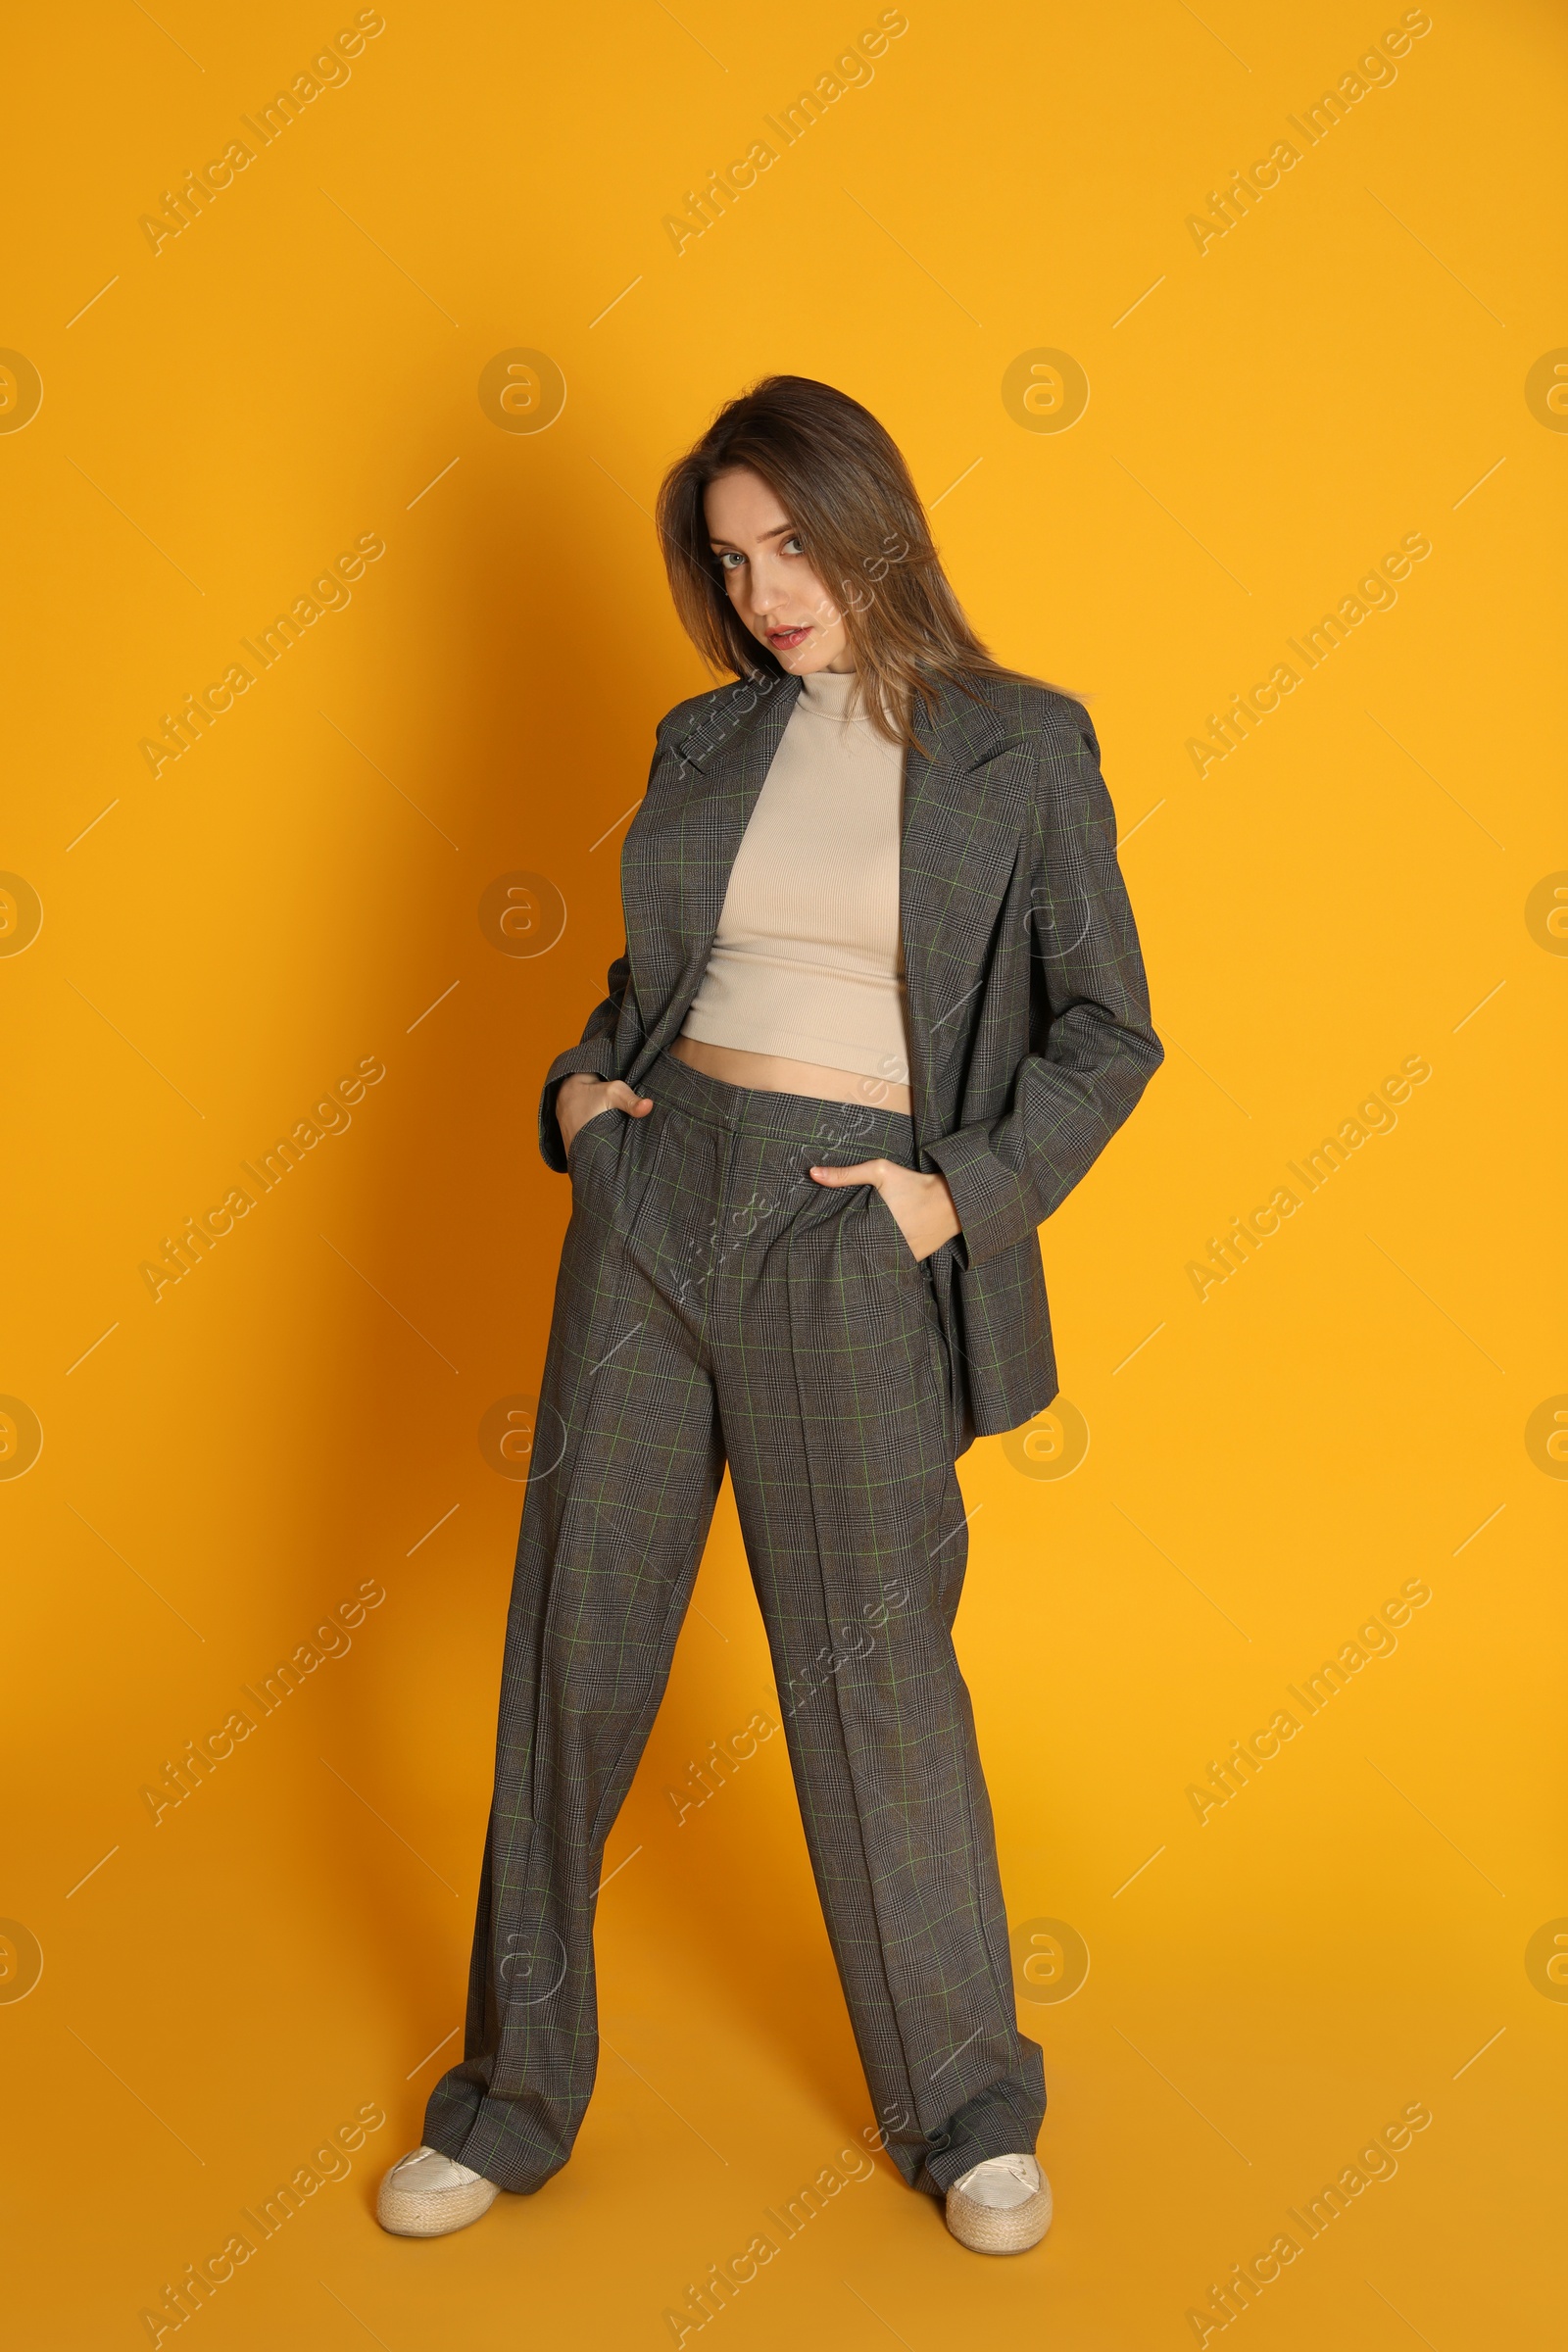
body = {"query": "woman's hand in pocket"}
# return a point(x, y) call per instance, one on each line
point(921, 1206)
point(579, 1098)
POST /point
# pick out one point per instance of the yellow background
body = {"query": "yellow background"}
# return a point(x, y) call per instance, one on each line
point(221, 943)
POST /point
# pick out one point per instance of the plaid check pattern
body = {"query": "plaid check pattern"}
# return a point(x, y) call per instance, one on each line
point(715, 1303)
point(1028, 1009)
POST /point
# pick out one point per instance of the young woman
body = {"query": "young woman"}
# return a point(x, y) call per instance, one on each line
point(880, 1008)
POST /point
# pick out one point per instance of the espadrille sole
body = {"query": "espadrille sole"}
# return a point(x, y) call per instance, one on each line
point(998, 2229)
point(435, 2213)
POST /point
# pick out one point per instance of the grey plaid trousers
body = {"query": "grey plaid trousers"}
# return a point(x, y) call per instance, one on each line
point(714, 1303)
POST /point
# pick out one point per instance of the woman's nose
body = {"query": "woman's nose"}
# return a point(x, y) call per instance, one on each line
point(766, 588)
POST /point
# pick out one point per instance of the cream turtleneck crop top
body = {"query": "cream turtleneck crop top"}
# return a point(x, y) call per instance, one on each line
point(807, 961)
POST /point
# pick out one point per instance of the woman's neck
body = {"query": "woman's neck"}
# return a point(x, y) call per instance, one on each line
point(830, 692)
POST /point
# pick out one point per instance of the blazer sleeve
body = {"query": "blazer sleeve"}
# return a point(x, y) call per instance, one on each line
point(594, 1054)
point(1092, 1051)
point(595, 1050)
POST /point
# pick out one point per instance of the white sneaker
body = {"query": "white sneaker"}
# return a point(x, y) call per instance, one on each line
point(426, 2194)
point(1001, 2207)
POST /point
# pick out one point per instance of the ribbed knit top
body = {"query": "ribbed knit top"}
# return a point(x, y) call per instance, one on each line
point(808, 961)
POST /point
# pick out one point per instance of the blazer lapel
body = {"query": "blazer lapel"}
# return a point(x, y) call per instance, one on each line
point(960, 841)
point(675, 888)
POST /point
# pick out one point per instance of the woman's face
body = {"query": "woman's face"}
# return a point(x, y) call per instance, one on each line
point(770, 584)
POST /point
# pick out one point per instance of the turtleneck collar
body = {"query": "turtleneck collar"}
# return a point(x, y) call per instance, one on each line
point(828, 693)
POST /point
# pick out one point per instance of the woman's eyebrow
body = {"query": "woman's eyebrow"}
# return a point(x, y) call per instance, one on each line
point(782, 529)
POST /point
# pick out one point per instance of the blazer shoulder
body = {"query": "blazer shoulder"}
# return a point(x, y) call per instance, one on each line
point(681, 717)
point(1030, 711)
point(1053, 712)
point(709, 718)
point(1056, 735)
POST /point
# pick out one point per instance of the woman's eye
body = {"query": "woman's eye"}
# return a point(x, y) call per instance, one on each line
point(729, 558)
point(793, 547)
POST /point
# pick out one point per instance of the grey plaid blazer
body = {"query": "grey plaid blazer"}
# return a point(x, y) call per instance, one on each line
point(1028, 1008)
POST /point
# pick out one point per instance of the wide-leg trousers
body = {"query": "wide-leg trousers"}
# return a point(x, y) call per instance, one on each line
point(715, 1303)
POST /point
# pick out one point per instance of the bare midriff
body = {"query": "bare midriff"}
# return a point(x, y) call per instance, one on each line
point(776, 1074)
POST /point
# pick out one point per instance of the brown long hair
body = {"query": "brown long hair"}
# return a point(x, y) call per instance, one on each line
point(847, 490)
